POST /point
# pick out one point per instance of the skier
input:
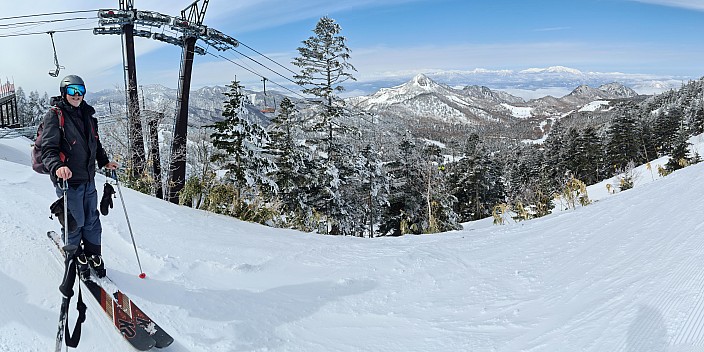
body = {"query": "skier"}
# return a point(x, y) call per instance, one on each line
point(70, 153)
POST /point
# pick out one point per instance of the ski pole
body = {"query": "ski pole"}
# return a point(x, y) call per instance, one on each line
point(64, 188)
point(142, 275)
point(63, 316)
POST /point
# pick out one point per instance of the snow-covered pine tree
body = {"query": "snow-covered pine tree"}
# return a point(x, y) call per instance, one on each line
point(570, 151)
point(589, 156)
point(240, 151)
point(375, 187)
point(348, 209)
point(521, 163)
point(37, 108)
point(529, 183)
point(439, 212)
point(324, 68)
point(680, 157)
point(666, 128)
point(557, 157)
point(291, 174)
point(623, 143)
point(647, 140)
point(23, 112)
point(475, 181)
point(697, 120)
point(405, 214)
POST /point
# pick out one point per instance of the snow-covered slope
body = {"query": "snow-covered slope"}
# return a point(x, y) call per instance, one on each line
point(623, 274)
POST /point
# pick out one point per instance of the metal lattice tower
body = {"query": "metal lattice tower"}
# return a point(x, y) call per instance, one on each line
point(190, 26)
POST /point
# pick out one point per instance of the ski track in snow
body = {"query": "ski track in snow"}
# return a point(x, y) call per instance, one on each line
point(623, 274)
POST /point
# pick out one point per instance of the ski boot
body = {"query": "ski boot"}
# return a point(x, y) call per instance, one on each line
point(85, 263)
point(83, 266)
point(96, 262)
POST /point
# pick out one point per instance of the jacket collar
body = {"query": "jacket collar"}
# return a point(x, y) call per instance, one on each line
point(86, 109)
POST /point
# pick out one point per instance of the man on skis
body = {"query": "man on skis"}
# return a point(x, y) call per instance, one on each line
point(70, 153)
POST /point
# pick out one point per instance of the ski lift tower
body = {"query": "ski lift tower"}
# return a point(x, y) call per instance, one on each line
point(122, 22)
point(191, 25)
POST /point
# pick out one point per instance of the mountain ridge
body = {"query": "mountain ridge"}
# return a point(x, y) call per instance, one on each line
point(423, 97)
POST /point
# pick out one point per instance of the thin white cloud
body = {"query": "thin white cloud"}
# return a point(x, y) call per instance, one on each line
point(551, 29)
point(399, 61)
point(687, 4)
point(245, 16)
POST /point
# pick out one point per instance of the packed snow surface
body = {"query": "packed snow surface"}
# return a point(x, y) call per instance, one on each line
point(622, 274)
point(520, 112)
point(593, 106)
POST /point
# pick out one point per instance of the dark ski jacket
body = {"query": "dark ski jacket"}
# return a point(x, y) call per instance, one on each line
point(79, 142)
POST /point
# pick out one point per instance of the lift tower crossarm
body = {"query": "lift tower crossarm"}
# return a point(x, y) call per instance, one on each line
point(126, 4)
point(194, 15)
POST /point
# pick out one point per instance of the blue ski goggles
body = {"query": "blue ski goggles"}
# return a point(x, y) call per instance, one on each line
point(76, 89)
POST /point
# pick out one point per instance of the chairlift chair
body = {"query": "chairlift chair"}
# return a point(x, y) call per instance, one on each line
point(267, 109)
point(54, 72)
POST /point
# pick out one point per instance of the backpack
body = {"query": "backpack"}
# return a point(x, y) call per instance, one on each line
point(37, 163)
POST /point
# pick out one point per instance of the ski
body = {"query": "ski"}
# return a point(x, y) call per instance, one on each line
point(158, 334)
point(62, 324)
point(131, 329)
point(134, 333)
point(162, 338)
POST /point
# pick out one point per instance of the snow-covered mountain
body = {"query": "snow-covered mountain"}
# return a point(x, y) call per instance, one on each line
point(417, 104)
point(607, 91)
point(532, 81)
point(622, 274)
point(451, 96)
point(422, 97)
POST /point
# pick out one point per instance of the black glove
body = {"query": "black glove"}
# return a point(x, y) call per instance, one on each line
point(106, 201)
point(57, 209)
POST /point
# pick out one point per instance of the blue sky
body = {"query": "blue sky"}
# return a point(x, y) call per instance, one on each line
point(388, 38)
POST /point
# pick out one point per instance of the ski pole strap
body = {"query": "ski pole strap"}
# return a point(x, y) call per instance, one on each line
point(66, 288)
point(69, 278)
point(73, 339)
point(63, 184)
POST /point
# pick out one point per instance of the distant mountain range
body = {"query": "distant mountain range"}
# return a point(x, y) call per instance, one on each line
point(450, 98)
point(422, 97)
point(533, 82)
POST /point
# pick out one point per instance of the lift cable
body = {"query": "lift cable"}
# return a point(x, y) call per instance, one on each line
point(18, 24)
point(257, 74)
point(35, 33)
point(268, 58)
point(46, 14)
point(266, 67)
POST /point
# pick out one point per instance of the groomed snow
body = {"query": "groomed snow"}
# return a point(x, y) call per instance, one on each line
point(520, 112)
point(594, 105)
point(622, 274)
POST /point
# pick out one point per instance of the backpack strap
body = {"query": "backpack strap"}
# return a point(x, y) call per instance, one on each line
point(60, 115)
